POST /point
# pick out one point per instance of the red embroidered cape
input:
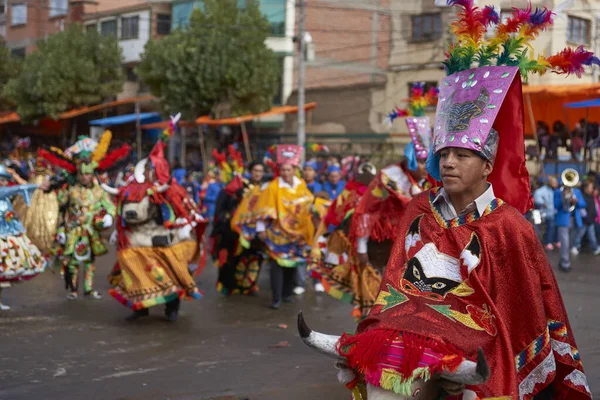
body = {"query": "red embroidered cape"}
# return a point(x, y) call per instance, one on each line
point(380, 209)
point(345, 202)
point(472, 282)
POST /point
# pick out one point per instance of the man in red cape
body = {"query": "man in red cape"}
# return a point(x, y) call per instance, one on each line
point(468, 277)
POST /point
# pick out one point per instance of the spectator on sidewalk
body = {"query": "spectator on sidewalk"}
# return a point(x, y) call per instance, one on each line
point(588, 227)
point(192, 186)
point(309, 174)
point(543, 199)
point(566, 221)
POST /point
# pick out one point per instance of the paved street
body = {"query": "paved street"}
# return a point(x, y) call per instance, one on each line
point(221, 348)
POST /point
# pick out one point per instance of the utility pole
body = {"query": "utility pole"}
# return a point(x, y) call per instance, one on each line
point(302, 51)
point(595, 67)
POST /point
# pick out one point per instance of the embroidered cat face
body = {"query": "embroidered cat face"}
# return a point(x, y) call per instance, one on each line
point(431, 274)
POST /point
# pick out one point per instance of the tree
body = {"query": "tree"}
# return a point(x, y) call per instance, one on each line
point(9, 69)
point(218, 65)
point(70, 69)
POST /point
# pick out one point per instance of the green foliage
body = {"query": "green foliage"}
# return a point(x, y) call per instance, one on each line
point(218, 65)
point(9, 69)
point(70, 69)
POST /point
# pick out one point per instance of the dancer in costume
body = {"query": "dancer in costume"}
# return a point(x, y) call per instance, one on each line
point(42, 216)
point(20, 259)
point(239, 263)
point(159, 234)
point(375, 220)
point(87, 208)
point(282, 220)
point(468, 278)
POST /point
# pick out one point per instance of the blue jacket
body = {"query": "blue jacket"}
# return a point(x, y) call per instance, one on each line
point(334, 192)
point(314, 187)
point(179, 175)
point(543, 199)
point(210, 198)
point(563, 216)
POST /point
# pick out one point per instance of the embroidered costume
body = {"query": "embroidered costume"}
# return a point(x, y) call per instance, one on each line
point(239, 265)
point(376, 217)
point(159, 234)
point(283, 213)
point(87, 209)
point(456, 283)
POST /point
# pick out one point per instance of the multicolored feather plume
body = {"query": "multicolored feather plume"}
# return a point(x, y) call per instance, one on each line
point(102, 146)
point(510, 44)
point(418, 101)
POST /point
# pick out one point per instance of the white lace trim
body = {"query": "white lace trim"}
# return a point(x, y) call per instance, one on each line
point(561, 348)
point(578, 378)
point(538, 375)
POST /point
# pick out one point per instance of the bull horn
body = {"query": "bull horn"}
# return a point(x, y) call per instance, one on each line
point(138, 171)
point(108, 189)
point(470, 373)
point(325, 344)
point(163, 188)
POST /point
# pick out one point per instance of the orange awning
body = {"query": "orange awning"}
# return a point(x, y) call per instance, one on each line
point(547, 104)
point(10, 117)
point(14, 117)
point(165, 124)
point(84, 110)
point(277, 110)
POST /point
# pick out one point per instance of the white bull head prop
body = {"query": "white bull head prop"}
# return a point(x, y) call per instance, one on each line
point(467, 373)
point(143, 219)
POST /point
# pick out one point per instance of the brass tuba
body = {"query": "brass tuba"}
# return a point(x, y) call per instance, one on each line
point(570, 179)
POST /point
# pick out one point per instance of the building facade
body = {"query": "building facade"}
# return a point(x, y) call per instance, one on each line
point(133, 23)
point(23, 23)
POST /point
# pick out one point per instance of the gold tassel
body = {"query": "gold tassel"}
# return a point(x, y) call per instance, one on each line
point(102, 146)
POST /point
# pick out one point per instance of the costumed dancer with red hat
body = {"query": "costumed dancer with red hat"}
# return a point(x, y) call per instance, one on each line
point(87, 209)
point(239, 262)
point(374, 221)
point(282, 221)
point(468, 279)
point(160, 233)
point(20, 259)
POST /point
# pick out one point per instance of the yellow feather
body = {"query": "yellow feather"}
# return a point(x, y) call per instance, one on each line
point(102, 146)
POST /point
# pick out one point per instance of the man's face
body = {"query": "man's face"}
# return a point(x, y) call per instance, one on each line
point(287, 172)
point(309, 174)
point(334, 177)
point(421, 172)
point(3, 181)
point(85, 179)
point(462, 169)
point(552, 182)
point(588, 189)
point(257, 172)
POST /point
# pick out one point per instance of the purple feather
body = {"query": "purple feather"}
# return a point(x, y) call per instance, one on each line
point(591, 60)
point(490, 16)
point(540, 17)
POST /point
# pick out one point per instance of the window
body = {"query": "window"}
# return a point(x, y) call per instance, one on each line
point(19, 53)
point(427, 87)
point(129, 27)
point(426, 27)
point(131, 75)
point(578, 30)
point(2, 7)
point(91, 28)
point(275, 11)
point(18, 14)
point(163, 24)
point(278, 98)
point(108, 28)
point(58, 7)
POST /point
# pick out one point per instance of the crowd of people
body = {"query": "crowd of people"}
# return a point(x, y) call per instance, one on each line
point(580, 142)
point(568, 215)
point(453, 289)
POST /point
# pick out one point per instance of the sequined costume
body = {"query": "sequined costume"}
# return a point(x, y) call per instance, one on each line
point(85, 209)
point(20, 259)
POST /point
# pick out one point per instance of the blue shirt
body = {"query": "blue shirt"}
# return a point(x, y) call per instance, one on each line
point(314, 187)
point(179, 175)
point(332, 191)
point(543, 199)
point(210, 199)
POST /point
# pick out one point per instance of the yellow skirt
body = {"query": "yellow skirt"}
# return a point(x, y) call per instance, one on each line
point(148, 276)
